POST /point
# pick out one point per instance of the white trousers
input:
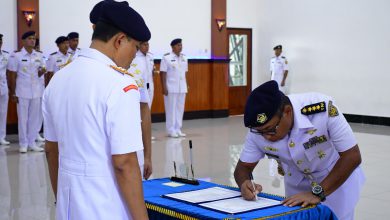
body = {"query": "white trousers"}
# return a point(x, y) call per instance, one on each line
point(29, 120)
point(151, 94)
point(3, 115)
point(174, 110)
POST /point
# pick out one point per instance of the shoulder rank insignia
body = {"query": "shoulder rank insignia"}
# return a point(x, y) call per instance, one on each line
point(53, 53)
point(166, 54)
point(332, 110)
point(130, 87)
point(121, 70)
point(313, 108)
point(4, 51)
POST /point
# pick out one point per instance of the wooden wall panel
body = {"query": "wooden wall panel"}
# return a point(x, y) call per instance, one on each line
point(219, 41)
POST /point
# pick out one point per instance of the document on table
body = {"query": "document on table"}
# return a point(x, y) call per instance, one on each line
point(238, 205)
point(204, 195)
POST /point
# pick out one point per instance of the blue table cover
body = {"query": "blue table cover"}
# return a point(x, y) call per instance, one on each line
point(164, 208)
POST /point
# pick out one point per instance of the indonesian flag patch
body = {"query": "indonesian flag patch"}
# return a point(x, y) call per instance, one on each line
point(130, 87)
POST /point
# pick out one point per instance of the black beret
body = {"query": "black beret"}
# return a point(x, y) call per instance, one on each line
point(28, 34)
point(278, 47)
point(61, 39)
point(73, 35)
point(175, 41)
point(262, 104)
point(97, 10)
point(126, 19)
point(1, 36)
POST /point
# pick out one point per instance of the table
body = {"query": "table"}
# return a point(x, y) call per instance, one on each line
point(164, 208)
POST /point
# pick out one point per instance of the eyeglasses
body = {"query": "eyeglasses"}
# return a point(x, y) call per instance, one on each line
point(271, 131)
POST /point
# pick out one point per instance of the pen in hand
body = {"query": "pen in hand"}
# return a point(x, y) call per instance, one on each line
point(253, 184)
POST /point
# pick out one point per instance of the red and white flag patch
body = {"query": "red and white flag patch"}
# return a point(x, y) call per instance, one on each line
point(130, 87)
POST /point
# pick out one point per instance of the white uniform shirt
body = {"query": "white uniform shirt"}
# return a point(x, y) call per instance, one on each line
point(176, 68)
point(277, 67)
point(4, 56)
point(57, 61)
point(311, 151)
point(74, 53)
point(140, 80)
point(145, 64)
point(28, 84)
point(93, 112)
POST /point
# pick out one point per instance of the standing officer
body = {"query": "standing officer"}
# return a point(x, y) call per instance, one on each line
point(26, 82)
point(173, 68)
point(313, 143)
point(144, 156)
point(279, 68)
point(145, 63)
point(92, 155)
point(59, 59)
point(4, 56)
point(73, 44)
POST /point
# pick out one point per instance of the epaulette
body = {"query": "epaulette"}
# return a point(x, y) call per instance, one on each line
point(53, 53)
point(283, 57)
point(4, 51)
point(314, 108)
point(166, 54)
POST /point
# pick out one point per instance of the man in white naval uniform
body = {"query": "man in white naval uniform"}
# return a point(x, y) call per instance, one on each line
point(173, 69)
point(27, 67)
point(58, 59)
point(144, 156)
point(93, 155)
point(4, 56)
point(73, 38)
point(279, 68)
point(313, 143)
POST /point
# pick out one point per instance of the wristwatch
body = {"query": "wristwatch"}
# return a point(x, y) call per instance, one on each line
point(317, 190)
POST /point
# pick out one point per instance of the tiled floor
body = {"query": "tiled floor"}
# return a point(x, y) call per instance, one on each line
point(25, 191)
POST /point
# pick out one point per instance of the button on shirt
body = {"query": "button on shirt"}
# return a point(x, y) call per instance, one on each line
point(99, 116)
point(176, 68)
point(28, 84)
point(277, 67)
point(310, 151)
point(4, 56)
point(57, 61)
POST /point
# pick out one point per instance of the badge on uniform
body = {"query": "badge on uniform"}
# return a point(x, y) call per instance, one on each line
point(313, 108)
point(269, 148)
point(261, 118)
point(315, 141)
point(332, 110)
point(130, 87)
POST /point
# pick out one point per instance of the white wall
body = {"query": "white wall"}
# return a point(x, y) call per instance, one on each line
point(8, 24)
point(167, 20)
point(340, 48)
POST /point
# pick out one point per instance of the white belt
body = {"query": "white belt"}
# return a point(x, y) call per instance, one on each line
point(85, 169)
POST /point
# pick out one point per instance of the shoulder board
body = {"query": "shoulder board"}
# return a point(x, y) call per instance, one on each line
point(4, 51)
point(166, 54)
point(39, 51)
point(53, 53)
point(314, 108)
point(283, 57)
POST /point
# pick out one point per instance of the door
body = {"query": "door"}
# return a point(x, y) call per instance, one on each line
point(240, 68)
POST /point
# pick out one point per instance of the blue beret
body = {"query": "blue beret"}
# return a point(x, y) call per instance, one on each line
point(28, 34)
point(175, 41)
point(278, 47)
point(73, 35)
point(126, 19)
point(61, 39)
point(262, 104)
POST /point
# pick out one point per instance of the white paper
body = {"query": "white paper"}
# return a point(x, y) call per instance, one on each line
point(236, 205)
point(205, 195)
point(173, 184)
